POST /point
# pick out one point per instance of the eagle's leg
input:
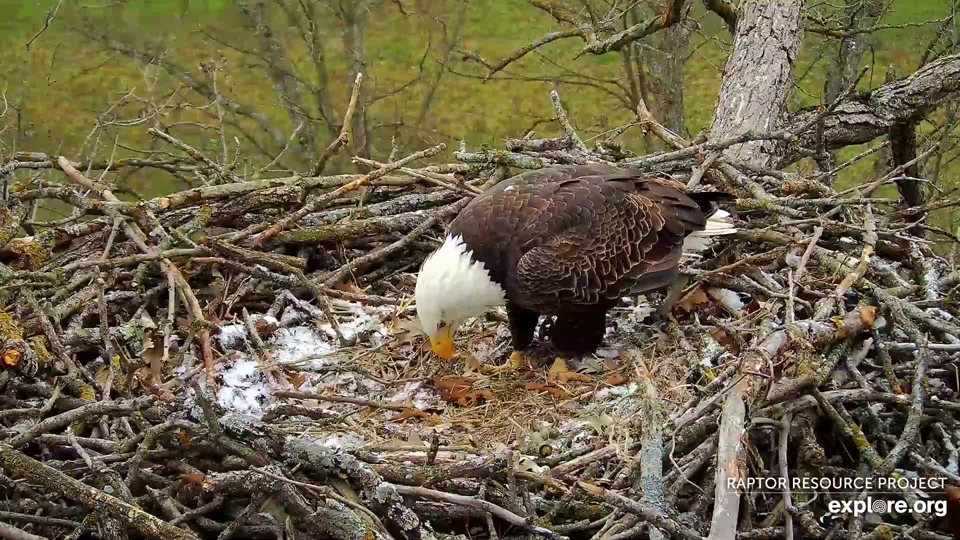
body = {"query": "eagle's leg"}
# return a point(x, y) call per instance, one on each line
point(523, 324)
point(660, 316)
point(578, 334)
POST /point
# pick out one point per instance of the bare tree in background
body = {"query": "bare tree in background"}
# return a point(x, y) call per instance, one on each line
point(652, 69)
point(289, 42)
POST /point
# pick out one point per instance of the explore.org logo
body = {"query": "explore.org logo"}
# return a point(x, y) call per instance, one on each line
point(852, 487)
point(837, 508)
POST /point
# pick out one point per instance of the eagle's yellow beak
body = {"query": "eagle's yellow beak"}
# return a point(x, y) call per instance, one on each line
point(442, 345)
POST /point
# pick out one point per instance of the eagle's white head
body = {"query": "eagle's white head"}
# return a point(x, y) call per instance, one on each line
point(451, 288)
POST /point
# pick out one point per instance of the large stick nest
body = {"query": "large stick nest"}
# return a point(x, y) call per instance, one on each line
point(241, 359)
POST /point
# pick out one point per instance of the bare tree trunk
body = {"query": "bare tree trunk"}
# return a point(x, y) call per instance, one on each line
point(845, 64)
point(636, 78)
point(757, 81)
point(666, 62)
point(903, 148)
point(450, 41)
point(353, 14)
point(303, 15)
point(758, 78)
point(281, 73)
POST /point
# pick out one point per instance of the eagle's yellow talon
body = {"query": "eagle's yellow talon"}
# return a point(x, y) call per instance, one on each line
point(518, 360)
point(560, 372)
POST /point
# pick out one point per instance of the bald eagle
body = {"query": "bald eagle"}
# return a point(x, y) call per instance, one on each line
point(566, 242)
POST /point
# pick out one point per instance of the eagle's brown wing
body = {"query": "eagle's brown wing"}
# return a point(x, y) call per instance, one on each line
point(627, 228)
point(580, 234)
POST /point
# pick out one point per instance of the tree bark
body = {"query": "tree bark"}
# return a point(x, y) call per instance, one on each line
point(903, 148)
point(758, 76)
point(865, 117)
point(757, 81)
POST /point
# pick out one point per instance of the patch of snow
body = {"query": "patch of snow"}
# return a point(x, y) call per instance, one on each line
point(622, 391)
point(422, 397)
point(339, 381)
point(348, 441)
point(940, 314)
point(642, 311)
point(292, 345)
point(356, 326)
point(244, 388)
point(232, 337)
point(793, 257)
point(291, 317)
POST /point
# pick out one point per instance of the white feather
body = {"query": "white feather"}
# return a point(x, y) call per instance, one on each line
point(452, 287)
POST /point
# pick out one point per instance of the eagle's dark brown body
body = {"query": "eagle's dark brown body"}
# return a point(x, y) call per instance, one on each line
point(571, 241)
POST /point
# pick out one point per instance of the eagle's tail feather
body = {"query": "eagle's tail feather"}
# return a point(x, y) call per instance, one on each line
point(718, 224)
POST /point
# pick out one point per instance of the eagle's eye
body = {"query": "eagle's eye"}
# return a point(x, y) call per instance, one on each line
point(442, 325)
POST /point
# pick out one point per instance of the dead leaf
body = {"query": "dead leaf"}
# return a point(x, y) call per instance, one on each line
point(264, 328)
point(617, 380)
point(406, 331)
point(486, 394)
point(869, 315)
point(559, 393)
point(414, 440)
point(153, 355)
point(560, 372)
point(298, 380)
point(693, 299)
point(521, 362)
point(212, 318)
point(407, 325)
point(349, 287)
point(460, 391)
point(409, 413)
point(185, 438)
point(11, 358)
point(600, 423)
point(193, 478)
